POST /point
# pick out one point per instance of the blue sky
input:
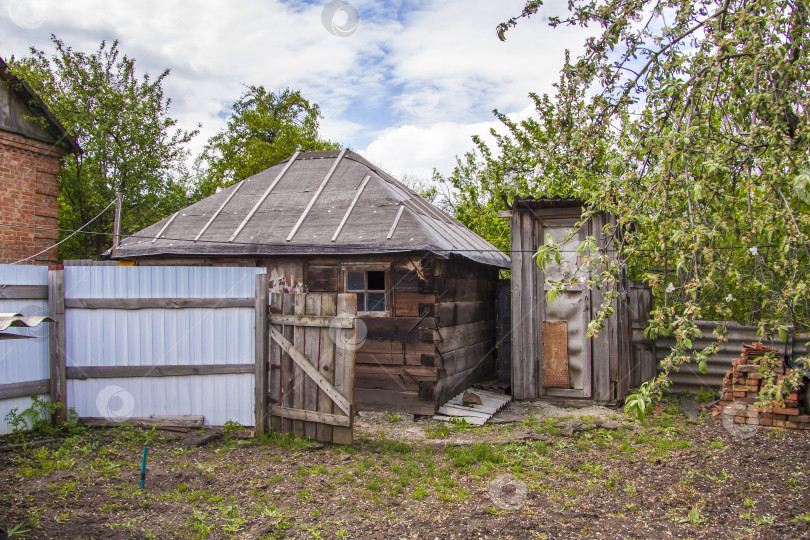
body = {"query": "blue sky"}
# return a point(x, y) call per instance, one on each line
point(406, 84)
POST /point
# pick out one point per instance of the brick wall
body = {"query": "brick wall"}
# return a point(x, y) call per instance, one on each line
point(28, 192)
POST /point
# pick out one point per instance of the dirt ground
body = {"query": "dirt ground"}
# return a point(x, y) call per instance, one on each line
point(666, 477)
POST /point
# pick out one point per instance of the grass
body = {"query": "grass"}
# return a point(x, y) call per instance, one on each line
point(288, 486)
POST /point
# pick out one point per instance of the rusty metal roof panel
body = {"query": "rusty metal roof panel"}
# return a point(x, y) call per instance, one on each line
point(314, 195)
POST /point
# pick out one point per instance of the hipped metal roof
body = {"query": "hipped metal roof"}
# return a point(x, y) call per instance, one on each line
point(313, 203)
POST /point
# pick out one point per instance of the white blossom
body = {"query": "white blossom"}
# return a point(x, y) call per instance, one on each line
point(754, 251)
point(670, 288)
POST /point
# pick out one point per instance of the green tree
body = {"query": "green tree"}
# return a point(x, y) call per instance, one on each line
point(705, 107)
point(534, 157)
point(130, 144)
point(264, 129)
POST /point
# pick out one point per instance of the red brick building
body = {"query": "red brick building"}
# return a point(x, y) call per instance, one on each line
point(32, 141)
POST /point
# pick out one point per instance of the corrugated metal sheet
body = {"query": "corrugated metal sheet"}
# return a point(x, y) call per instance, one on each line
point(23, 360)
point(158, 337)
point(690, 379)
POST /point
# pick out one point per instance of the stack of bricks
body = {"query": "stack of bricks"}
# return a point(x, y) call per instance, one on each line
point(742, 385)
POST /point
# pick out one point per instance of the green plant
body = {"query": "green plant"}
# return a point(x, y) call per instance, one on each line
point(37, 418)
point(694, 517)
point(706, 395)
point(718, 445)
point(394, 417)
point(18, 531)
point(419, 493)
point(231, 425)
point(802, 518)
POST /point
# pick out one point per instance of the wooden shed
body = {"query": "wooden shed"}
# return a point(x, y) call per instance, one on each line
point(551, 357)
point(333, 222)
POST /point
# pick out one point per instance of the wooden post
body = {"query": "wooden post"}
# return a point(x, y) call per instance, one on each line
point(116, 225)
point(261, 361)
point(344, 364)
point(56, 309)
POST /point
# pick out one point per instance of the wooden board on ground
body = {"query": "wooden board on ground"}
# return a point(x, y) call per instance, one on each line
point(191, 421)
point(456, 409)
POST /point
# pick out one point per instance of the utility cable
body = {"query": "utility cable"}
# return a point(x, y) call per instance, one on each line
point(77, 231)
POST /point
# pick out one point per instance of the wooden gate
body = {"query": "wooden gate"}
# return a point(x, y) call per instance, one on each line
point(310, 377)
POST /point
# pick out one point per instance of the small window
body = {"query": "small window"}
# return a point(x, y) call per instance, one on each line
point(369, 286)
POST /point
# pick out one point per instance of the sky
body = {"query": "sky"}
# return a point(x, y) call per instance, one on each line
point(405, 84)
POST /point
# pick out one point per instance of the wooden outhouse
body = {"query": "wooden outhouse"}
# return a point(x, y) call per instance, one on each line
point(333, 222)
point(551, 357)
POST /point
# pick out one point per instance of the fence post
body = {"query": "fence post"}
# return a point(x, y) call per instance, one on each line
point(56, 308)
point(262, 347)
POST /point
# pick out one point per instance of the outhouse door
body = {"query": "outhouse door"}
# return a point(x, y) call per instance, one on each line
point(565, 360)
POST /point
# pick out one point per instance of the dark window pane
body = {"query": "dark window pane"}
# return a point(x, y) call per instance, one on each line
point(376, 280)
point(361, 302)
point(355, 280)
point(376, 302)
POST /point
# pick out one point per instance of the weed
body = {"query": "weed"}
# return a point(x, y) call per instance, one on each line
point(200, 525)
point(18, 530)
point(718, 445)
point(802, 518)
point(394, 417)
point(723, 476)
point(37, 418)
point(438, 432)
point(286, 441)
point(373, 485)
point(463, 457)
point(419, 493)
point(593, 468)
point(706, 395)
point(386, 446)
point(303, 472)
point(231, 425)
point(693, 517)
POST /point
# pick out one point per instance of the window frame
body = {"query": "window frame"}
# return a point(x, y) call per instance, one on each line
point(369, 267)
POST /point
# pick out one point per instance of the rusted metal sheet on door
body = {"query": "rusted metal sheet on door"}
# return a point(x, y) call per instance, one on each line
point(311, 378)
point(555, 354)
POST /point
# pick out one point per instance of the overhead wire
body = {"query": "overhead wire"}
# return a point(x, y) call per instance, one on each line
point(448, 250)
point(74, 233)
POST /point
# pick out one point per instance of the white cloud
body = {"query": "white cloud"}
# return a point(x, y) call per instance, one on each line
point(411, 85)
point(415, 151)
